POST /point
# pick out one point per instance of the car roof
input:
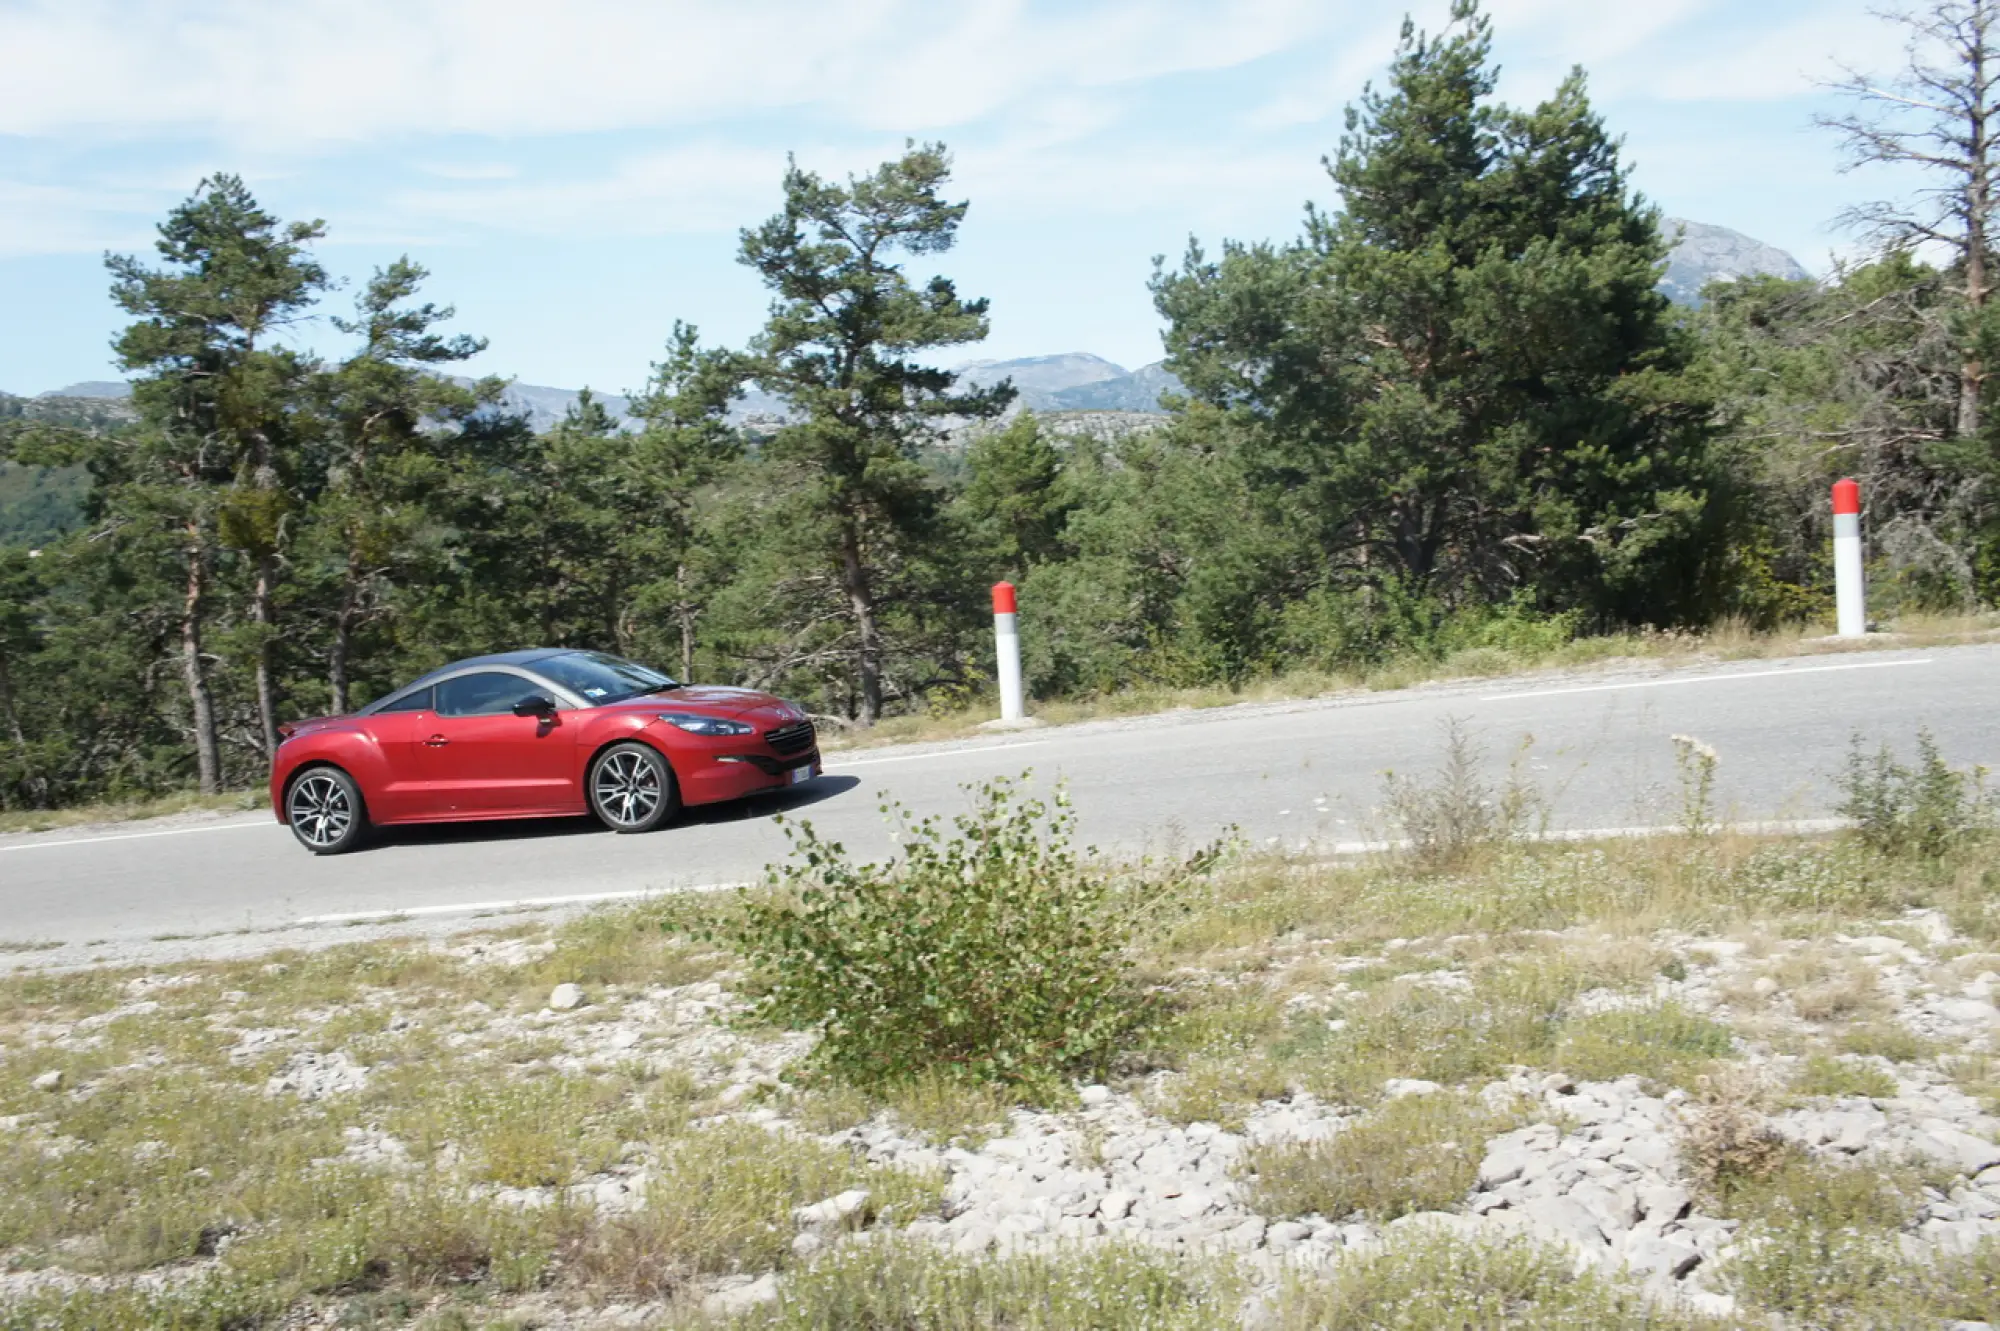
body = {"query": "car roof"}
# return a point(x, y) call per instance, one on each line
point(522, 657)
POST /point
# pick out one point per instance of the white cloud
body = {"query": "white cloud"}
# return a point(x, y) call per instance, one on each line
point(360, 70)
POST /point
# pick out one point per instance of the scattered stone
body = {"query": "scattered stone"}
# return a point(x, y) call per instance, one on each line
point(566, 997)
point(1944, 1142)
point(311, 1075)
point(741, 1298)
point(833, 1211)
point(1397, 1087)
point(1671, 1257)
point(51, 1080)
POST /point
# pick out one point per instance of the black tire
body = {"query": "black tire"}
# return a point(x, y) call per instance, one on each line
point(631, 788)
point(325, 811)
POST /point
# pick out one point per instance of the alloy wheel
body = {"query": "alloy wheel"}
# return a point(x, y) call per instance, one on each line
point(627, 788)
point(320, 811)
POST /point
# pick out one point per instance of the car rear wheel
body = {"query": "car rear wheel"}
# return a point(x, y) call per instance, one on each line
point(632, 788)
point(325, 811)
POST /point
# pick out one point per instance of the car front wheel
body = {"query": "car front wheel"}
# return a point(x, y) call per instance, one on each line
point(325, 811)
point(632, 788)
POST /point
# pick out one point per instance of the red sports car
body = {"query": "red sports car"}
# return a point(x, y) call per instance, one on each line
point(535, 734)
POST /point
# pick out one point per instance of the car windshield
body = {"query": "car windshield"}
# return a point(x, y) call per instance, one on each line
point(598, 678)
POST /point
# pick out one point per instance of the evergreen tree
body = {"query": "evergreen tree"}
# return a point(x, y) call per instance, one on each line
point(1464, 379)
point(684, 445)
point(838, 347)
point(393, 422)
point(217, 400)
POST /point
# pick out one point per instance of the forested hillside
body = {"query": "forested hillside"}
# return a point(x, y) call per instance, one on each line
point(1454, 409)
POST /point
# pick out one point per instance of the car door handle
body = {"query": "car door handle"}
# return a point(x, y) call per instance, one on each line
point(437, 741)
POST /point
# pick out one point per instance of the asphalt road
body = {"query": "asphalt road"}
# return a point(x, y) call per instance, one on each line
point(1300, 773)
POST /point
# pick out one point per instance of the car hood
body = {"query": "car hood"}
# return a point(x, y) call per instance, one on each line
point(313, 725)
point(717, 700)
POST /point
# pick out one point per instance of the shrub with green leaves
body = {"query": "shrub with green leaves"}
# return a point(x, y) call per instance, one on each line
point(1921, 812)
point(995, 954)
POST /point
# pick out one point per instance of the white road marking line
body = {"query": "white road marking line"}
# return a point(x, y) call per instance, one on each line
point(1706, 679)
point(135, 836)
point(519, 903)
point(942, 753)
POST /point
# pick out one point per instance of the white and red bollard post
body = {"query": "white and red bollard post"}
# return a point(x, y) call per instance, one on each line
point(1850, 596)
point(1007, 651)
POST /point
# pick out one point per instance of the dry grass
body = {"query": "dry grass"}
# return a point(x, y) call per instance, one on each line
point(125, 811)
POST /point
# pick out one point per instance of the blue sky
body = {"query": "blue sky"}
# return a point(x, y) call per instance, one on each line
point(574, 173)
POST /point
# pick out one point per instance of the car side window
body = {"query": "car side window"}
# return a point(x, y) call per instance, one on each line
point(420, 701)
point(488, 693)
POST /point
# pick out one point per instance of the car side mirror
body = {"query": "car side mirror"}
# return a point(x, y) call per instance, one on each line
point(536, 705)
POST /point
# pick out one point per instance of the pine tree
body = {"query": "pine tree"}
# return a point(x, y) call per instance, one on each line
point(393, 426)
point(838, 347)
point(216, 395)
point(1463, 377)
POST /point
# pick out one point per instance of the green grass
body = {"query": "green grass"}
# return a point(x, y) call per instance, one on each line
point(913, 1288)
point(1429, 1282)
point(1416, 1153)
point(1825, 1075)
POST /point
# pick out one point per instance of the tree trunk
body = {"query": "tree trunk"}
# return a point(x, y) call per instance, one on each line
point(861, 604)
point(685, 613)
point(336, 658)
point(37, 784)
point(1978, 204)
point(262, 613)
point(206, 749)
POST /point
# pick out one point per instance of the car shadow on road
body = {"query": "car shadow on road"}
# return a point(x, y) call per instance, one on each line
point(704, 815)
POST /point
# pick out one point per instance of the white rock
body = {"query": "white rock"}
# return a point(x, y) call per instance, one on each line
point(1505, 1166)
point(742, 1298)
point(1247, 1235)
point(1094, 1096)
point(565, 997)
point(1663, 1203)
point(1671, 1257)
point(805, 1243)
point(1285, 1235)
point(1965, 1152)
point(1562, 1218)
point(51, 1080)
point(1614, 1208)
point(1764, 987)
point(832, 1211)
point(1397, 1087)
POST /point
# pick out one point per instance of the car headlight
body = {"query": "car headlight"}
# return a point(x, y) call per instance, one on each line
point(706, 725)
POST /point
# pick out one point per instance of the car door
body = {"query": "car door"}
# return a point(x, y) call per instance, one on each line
point(400, 729)
point(480, 760)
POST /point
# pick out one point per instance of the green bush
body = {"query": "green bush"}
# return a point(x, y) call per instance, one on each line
point(996, 954)
point(1920, 812)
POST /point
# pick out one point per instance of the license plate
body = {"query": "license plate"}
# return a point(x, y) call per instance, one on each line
point(801, 775)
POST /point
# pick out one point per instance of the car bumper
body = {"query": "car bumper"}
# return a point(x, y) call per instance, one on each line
point(728, 776)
